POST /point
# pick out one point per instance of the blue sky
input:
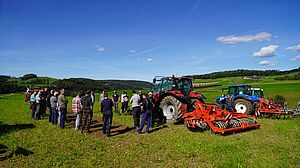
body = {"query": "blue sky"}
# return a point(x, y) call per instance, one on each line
point(138, 39)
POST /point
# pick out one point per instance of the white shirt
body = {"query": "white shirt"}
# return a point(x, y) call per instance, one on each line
point(135, 100)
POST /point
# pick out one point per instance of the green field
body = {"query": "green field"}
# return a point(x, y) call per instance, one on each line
point(275, 144)
point(289, 89)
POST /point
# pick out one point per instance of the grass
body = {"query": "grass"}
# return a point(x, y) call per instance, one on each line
point(289, 89)
point(275, 144)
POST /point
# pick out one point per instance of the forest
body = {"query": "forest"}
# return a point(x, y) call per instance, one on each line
point(244, 72)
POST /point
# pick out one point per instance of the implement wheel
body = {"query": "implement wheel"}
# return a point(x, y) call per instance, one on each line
point(171, 108)
point(243, 106)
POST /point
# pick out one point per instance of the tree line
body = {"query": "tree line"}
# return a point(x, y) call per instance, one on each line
point(10, 84)
point(242, 72)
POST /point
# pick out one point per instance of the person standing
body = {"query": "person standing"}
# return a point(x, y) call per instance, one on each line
point(126, 101)
point(86, 105)
point(37, 115)
point(33, 104)
point(146, 106)
point(49, 104)
point(62, 102)
point(116, 101)
point(122, 102)
point(135, 102)
point(229, 103)
point(27, 95)
point(93, 102)
point(42, 103)
point(76, 108)
point(152, 116)
point(106, 109)
point(53, 103)
point(46, 96)
point(101, 96)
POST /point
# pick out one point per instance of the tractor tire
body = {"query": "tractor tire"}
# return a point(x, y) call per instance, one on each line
point(243, 106)
point(171, 108)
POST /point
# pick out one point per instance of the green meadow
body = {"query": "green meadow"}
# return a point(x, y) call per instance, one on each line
point(32, 143)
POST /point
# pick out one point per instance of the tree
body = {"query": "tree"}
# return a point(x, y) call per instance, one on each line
point(28, 76)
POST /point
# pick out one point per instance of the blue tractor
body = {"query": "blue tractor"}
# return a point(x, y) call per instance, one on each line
point(244, 99)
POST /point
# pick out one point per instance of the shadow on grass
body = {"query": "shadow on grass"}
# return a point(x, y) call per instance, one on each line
point(158, 128)
point(122, 131)
point(6, 128)
point(99, 127)
point(4, 154)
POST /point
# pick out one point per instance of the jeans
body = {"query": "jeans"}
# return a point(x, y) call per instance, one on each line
point(63, 114)
point(78, 120)
point(53, 115)
point(136, 116)
point(145, 117)
point(33, 113)
point(107, 122)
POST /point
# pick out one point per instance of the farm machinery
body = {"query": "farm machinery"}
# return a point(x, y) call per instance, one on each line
point(248, 100)
point(179, 103)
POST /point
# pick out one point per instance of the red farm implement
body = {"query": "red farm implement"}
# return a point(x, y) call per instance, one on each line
point(266, 109)
point(174, 97)
point(209, 117)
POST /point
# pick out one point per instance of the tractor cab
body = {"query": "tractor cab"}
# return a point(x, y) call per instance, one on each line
point(163, 84)
point(239, 90)
point(258, 92)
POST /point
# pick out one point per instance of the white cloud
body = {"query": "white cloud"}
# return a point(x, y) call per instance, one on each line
point(266, 63)
point(294, 48)
point(149, 59)
point(262, 36)
point(100, 48)
point(266, 51)
point(132, 51)
point(296, 58)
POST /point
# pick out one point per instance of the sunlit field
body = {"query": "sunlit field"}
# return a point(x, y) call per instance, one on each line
point(32, 143)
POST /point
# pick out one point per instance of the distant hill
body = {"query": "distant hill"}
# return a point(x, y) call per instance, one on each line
point(243, 72)
point(10, 84)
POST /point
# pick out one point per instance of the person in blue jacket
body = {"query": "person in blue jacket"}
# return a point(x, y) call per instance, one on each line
point(146, 113)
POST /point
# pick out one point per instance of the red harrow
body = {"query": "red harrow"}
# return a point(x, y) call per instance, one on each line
point(209, 117)
point(266, 109)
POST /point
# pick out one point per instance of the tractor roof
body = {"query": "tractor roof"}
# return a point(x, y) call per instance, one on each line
point(176, 77)
point(239, 85)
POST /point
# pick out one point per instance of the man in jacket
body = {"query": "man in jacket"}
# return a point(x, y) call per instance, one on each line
point(86, 104)
point(106, 109)
point(62, 102)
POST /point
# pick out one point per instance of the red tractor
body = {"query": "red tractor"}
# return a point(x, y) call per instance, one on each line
point(178, 102)
point(174, 96)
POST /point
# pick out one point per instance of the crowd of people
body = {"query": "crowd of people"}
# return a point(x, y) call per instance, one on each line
point(83, 108)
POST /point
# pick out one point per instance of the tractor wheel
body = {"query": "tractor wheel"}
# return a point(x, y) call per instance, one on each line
point(171, 108)
point(243, 106)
